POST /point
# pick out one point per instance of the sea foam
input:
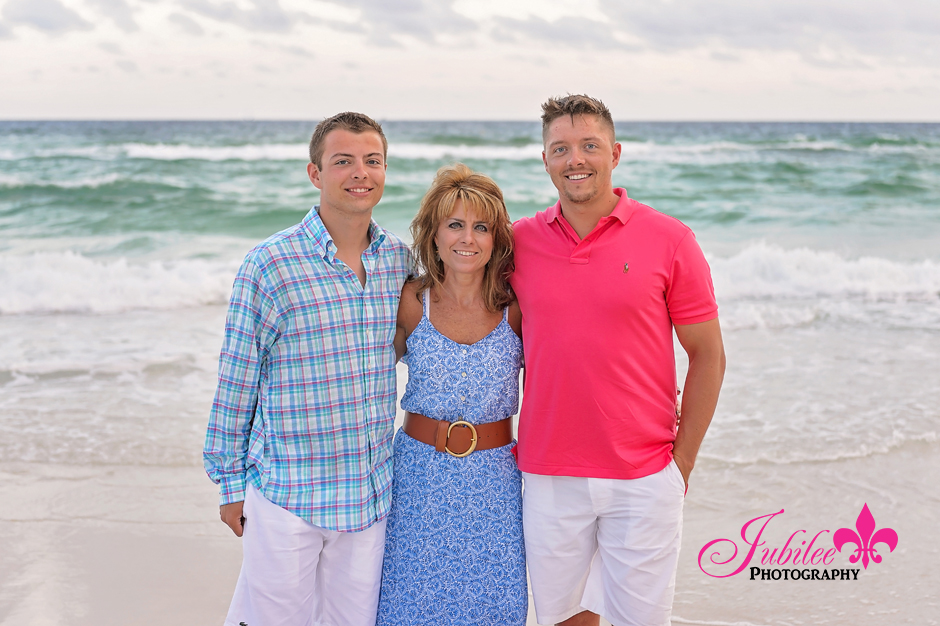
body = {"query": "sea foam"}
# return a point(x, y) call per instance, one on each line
point(89, 182)
point(427, 151)
point(274, 152)
point(767, 271)
point(251, 152)
point(761, 285)
point(721, 150)
point(766, 286)
point(66, 282)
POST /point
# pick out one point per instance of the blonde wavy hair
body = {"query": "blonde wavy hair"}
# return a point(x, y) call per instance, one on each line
point(483, 196)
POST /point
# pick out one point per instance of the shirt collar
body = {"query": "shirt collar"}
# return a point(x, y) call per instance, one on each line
point(313, 226)
point(624, 208)
point(622, 211)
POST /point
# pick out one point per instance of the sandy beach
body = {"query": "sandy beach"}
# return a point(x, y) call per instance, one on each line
point(129, 545)
point(112, 545)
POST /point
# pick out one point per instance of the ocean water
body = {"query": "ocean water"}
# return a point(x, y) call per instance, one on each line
point(120, 240)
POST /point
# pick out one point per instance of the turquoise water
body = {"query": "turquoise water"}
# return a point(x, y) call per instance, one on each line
point(120, 241)
point(849, 184)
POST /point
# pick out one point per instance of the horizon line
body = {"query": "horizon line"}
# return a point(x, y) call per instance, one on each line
point(468, 120)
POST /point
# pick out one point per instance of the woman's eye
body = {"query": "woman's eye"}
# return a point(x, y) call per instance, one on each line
point(483, 228)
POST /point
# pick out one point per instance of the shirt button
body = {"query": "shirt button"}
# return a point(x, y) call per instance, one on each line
point(463, 352)
point(464, 374)
point(463, 397)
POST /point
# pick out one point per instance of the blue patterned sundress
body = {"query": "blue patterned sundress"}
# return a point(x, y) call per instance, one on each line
point(454, 551)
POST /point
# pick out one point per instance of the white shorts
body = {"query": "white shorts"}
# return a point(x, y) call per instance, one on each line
point(298, 574)
point(604, 545)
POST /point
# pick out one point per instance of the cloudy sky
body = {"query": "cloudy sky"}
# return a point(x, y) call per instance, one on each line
point(469, 59)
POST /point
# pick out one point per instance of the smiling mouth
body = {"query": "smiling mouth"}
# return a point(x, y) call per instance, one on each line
point(465, 253)
point(577, 176)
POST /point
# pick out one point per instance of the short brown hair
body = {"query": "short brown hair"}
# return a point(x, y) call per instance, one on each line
point(347, 120)
point(480, 194)
point(577, 104)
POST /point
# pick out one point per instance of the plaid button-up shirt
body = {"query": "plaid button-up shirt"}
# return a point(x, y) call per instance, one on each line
point(306, 399)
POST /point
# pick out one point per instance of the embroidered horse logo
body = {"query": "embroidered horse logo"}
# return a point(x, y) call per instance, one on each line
point(866, 538)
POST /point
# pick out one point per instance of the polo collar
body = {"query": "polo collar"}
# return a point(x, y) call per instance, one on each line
point(622, 211)
point(624, 208)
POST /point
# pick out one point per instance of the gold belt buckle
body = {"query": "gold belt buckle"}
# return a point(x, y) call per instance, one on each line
point(473, 438)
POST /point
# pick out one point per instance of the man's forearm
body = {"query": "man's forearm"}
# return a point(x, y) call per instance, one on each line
point(700, 395)
point(699, 399)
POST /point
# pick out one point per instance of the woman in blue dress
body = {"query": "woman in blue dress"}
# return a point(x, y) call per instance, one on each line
point(454, 551)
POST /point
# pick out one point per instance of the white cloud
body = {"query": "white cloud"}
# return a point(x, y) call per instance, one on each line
point(549, 10)
point(187, 24)
point(111, 47)
point(263, 16)
point(826, 33)
point(883, 28)
point(119, 11)
point(50, 16)
point(424, 20)
point(297, 51)
point(564, 32)
point(649, 59)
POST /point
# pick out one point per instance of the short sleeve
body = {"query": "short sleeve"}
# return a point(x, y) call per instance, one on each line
point(690, 295)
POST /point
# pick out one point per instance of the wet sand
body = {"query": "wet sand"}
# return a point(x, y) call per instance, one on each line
point(103, 545)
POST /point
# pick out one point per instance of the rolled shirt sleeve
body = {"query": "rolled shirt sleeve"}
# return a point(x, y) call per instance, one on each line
point(251, 329)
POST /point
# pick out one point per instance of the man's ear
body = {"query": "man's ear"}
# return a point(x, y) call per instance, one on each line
point(617, 149)
point(313, 173)
point(544, 161)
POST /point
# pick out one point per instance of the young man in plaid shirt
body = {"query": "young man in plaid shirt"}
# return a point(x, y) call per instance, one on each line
point(300, 434)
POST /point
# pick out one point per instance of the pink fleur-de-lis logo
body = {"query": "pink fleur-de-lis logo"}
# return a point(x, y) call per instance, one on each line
point(866, 538)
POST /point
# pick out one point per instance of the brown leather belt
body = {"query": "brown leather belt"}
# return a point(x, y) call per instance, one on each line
point(458, 438)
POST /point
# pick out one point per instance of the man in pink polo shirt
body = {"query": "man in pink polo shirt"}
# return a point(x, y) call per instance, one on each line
point(602, 281)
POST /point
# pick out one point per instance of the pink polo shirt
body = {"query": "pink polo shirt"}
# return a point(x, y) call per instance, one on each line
point(597, 318)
